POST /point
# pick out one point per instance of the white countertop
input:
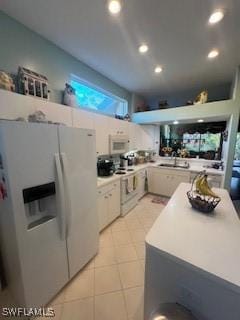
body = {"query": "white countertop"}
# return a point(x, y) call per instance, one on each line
point(209, 244)
point(194, 167)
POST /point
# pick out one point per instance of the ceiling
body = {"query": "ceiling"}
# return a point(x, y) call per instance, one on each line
point(177, 33)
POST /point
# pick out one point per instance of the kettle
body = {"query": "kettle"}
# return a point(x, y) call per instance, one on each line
point(123, 161)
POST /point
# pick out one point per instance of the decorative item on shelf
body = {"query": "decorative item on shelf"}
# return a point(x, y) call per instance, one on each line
point(32, 83)
point(142, 106)
point(6, 81)
point(202, 97)
point(69, 96)
point(202, 198)
point(189, 103)
point(163, 104)
point(167, 151)
point(38, 116)
point(183, 153)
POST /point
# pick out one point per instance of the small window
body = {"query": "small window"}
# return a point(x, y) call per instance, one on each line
point(95, 99)
point(202, 142)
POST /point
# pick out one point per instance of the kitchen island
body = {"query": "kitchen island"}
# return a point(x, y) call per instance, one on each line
point(194, 259)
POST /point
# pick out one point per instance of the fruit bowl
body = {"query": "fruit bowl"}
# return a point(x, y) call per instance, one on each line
point(203, 198)
point(202, 203)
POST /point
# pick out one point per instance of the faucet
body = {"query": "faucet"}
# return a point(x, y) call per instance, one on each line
point(174, 154)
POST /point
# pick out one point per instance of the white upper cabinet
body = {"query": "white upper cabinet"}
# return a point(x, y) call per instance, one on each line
point(83, 119)
point(147, 137)
point(156, 139)
point(118, 127)
point(133, 136)
point(143, 137)
point(101, 125)
point(15, 105)
point(56, 112)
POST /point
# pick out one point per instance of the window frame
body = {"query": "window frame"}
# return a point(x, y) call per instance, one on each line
point(101, 90)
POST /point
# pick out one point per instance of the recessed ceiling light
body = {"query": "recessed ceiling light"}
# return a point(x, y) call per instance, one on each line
point(160, 318)
point(114, 6)
point(158, 69)
point(213, 54)
point(175, 122)
point(143, 48)
point(216, 17)
point(200, 120)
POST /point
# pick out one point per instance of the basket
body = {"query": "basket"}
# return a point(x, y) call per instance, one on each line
point(205, 204)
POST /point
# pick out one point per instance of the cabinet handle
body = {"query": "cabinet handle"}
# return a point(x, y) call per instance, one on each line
point(110, 194)
point(105, 197)
point(99, 192)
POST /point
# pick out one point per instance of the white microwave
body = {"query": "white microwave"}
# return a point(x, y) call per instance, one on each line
point(118, 144)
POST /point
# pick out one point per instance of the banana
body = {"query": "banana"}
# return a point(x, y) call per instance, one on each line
point(198, 182)
point(204, 188)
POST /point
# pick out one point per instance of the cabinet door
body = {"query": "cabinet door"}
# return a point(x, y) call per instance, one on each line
point(101, 125)
point(148, 137)
point(156, 139)
point(132, 136)
point(114, 204)
point(135, 136)
point(55, 112)
point(118, 127)
point(165, 182)
point(83, 119)
point(157, 182)
point(175, 180)
point(214, 181)
point(102, 206)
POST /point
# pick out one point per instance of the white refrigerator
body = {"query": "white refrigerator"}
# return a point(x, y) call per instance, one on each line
point(48, 210)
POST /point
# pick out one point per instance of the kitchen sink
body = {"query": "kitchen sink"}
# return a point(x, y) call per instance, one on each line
point(171, 165)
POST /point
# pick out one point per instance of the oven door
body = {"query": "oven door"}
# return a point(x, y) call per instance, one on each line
point(118, 144)
point(125, 194)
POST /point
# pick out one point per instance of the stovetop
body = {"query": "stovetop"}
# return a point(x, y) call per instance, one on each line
point(120, 172)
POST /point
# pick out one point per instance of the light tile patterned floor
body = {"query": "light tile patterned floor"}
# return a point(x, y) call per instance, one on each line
point(111, 285)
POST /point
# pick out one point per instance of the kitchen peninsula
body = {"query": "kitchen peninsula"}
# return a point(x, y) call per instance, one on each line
point(193, 259)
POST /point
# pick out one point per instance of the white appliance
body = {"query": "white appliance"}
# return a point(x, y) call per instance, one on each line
point(129, 198)
point(118, 144)
point(48, 219)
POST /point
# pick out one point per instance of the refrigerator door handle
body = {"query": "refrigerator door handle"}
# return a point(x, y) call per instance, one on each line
point(67, 191)
point(62, 204)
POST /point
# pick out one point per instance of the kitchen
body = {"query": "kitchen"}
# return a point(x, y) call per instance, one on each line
point(88, 218)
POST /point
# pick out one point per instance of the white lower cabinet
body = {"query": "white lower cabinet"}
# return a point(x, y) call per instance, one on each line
point(214, 180)
point(108, 204)
point(165, 182)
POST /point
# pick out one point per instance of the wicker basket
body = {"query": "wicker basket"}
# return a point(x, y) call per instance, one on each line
point(205, 204)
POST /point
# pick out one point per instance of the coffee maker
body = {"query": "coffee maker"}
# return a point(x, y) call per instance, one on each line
point(105, 167)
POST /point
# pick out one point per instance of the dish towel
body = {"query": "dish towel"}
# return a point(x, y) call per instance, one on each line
point(135, 182)
point(130, 184)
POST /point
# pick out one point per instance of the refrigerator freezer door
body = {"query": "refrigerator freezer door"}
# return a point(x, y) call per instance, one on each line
point(28, 152)
point(78, 154)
